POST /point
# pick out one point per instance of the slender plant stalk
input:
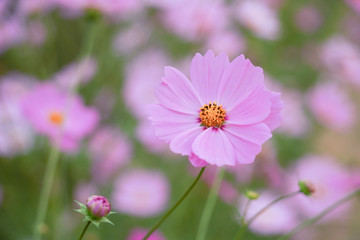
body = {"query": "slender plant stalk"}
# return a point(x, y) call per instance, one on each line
point(245, 225)
point(320, 215)
point(270, 204)
point(209, 205)
point(45, 192)
point(176, 204)
point(243, 217)
point(84, 230)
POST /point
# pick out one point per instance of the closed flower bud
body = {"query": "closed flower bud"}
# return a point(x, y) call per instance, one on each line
point(98, 206)
point(306, 187)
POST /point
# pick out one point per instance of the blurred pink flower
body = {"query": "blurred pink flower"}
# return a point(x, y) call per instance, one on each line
point(342, 59)
point(141, 193)
point(84, 190)
point(108, 7)
point(354, 4)
point(128, 40)
point(16, 135)
point(331, 181)
point(332, 107)
point(145, 133)
point(61, 117)
point(308, 19)
point(259, 17)
point(195, 20)
point(140, 233)
point(278, 219)
point(110, 150)
point(76, 73)
point(294, 122)
point(142, 75)
point(27, 7)
point(229, 133)
point(229, 42)
point(36, 33)
point(12, 32)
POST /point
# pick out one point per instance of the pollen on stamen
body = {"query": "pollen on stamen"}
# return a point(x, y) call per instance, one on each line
point(212, 115)
point(56, 118)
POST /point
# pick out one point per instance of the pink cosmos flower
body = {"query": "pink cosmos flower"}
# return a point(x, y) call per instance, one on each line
point(259, 17)
point(332, 107)
point(76, 73)
point(109, 149)
point(195, 20)
point(16, 135)
point(220, 117)
point(308, 19)
point(36, 33)
point(295, 122)
point(142, 75)
point(84, 190)
point(229, 42)
point(35, 6)
point(108, 7)
point(63, 118)
point(354, 4)
point(342, 59)
point(130, 39)
point(278, 219)
point(331, 181)
point(145, 133)
point(140, 233)
point(141, 193)
point(12, 32)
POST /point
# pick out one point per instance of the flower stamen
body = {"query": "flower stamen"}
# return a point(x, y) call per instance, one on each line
point(56, 118)
point(212, 115)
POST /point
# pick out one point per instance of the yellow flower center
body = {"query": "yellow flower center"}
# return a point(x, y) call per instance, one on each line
point(56, 118)
point(212, 115)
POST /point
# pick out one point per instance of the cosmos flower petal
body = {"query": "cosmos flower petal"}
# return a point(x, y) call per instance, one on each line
point(245, 150)
point(169, 123)
point(182, 143)
point(257, 133)
point(196, 161)
point(206, 72)
point(238, 82)
point(274, 119)
point(214, 147)
point(254, 109)
point(168, 98)
point(182, 86)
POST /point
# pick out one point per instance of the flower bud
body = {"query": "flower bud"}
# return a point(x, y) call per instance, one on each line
point(306, 187)
point(98, 206)
point(251, 195)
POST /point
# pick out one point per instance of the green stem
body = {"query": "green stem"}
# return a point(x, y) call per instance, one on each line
point(83, 232)
point(45, 192)
point(209, 205)
point(320, 215)
point(270, 204)
point(243, 217)
point(176, 204)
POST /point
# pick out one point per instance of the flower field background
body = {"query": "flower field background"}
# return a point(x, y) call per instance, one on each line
point(91, 67)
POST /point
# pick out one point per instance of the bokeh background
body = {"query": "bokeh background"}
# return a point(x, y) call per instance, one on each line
point(109, 54)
